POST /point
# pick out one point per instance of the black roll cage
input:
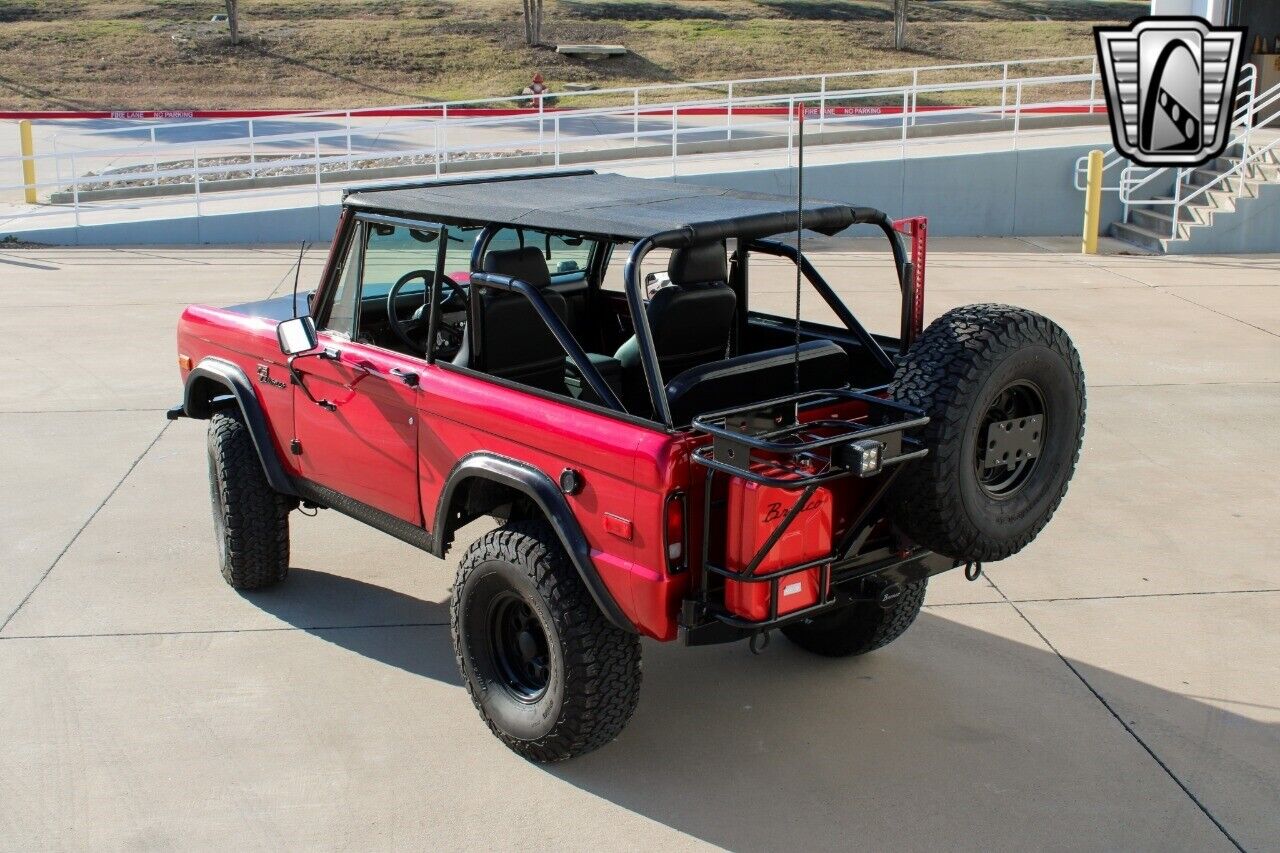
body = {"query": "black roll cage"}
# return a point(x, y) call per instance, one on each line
point(681, 238)
point(634, 292)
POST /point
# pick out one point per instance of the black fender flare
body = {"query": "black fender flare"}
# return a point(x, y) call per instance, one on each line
point(539, 488)
point(199, 404)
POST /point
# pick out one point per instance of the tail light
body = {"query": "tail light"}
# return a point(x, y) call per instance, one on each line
point(676, 538)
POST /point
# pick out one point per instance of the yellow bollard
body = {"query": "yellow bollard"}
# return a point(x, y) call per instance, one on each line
point(1092, 203)
point(28, 160)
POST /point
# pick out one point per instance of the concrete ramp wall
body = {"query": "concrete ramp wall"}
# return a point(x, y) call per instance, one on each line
point(996, 194)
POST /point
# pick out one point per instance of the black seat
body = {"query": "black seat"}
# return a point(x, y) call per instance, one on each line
point(690, 320)
point(755, 377)
point(514, 342)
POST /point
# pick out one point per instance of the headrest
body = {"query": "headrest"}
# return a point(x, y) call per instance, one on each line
point(526, 264)
point(696, 264)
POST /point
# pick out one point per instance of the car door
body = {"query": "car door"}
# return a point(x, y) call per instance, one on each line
point(361, 439)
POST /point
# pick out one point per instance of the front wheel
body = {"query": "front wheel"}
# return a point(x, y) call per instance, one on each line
point(861, 627)
point(551, 677)
point(250, 519)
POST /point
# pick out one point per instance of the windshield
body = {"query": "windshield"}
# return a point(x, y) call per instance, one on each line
point(395, 251)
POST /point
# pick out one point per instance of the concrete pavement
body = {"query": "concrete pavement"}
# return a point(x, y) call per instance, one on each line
point(1115, 686)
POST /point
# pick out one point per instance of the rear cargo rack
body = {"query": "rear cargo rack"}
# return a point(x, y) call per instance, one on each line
point(773, 427)
point(768, 444)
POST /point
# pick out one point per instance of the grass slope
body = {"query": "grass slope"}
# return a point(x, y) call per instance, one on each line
point(98, 54)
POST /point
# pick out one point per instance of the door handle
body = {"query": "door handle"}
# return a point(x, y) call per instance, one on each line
point(408, 377)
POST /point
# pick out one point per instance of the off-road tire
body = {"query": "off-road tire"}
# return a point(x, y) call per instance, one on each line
point(858, 628)
point(250, 519)
point(593, 683)
point(955, 372)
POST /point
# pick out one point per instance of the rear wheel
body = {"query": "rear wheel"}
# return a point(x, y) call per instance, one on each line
point(861, 627)
point(250, 519)
point(551, 677)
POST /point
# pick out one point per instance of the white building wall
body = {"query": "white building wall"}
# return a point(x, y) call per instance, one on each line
point(1213, 11)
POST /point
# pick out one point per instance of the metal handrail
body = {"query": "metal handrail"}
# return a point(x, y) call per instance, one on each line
point(1129, 184)
point(634, 91)
point(1247, 88)
point(652, 110)
point(1242, 114)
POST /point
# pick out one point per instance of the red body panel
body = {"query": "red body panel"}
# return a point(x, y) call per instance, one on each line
point(249, 343)
point(368, 450)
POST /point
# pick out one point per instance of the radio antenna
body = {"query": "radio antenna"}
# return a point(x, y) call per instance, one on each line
point(799, 238)
point(297, 273)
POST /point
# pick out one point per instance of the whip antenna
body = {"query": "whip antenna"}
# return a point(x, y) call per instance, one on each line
point(799, 237)
point(297, 273)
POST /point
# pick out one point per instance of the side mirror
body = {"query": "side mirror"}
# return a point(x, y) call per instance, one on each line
point(297, 335)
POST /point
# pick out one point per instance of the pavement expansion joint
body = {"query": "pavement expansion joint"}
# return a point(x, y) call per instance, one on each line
point(1219, 313)
point(82, 527)
point(1119, 719)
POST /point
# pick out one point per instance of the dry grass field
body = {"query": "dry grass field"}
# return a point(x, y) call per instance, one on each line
point(105, 54)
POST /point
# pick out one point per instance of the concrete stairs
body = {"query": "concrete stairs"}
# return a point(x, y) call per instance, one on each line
point(1151, 226)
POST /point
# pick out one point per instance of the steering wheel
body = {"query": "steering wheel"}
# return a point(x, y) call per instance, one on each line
point(407, 329)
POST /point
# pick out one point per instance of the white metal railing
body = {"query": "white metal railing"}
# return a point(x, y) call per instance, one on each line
point(1185, 192)
point(433, 144)
point(1246, 92)
point(634, 95)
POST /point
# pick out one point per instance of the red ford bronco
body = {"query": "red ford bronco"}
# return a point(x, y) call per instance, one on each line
point(664, 459)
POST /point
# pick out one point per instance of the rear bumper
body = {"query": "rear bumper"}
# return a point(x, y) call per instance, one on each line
point(874, 576)
point(174, 412)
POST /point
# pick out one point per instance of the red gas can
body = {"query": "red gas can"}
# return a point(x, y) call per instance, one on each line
point(754, 512)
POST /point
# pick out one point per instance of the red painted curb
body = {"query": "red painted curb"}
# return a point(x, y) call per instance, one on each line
point(472, 112)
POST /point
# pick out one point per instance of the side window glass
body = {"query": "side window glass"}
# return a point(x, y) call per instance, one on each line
point(342, 311)
point(568, 258)
point(653, 269)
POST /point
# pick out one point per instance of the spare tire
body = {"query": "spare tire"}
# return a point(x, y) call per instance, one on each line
point(1004, 391)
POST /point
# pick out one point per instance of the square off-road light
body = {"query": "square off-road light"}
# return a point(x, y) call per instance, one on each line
point(864, 457)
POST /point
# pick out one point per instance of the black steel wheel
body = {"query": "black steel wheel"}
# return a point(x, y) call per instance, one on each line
point(519, 648)
point(1004, 391)
point(1018, 406)
point(551, 677)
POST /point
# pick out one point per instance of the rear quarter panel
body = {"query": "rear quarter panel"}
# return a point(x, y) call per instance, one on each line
point(627, 471)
